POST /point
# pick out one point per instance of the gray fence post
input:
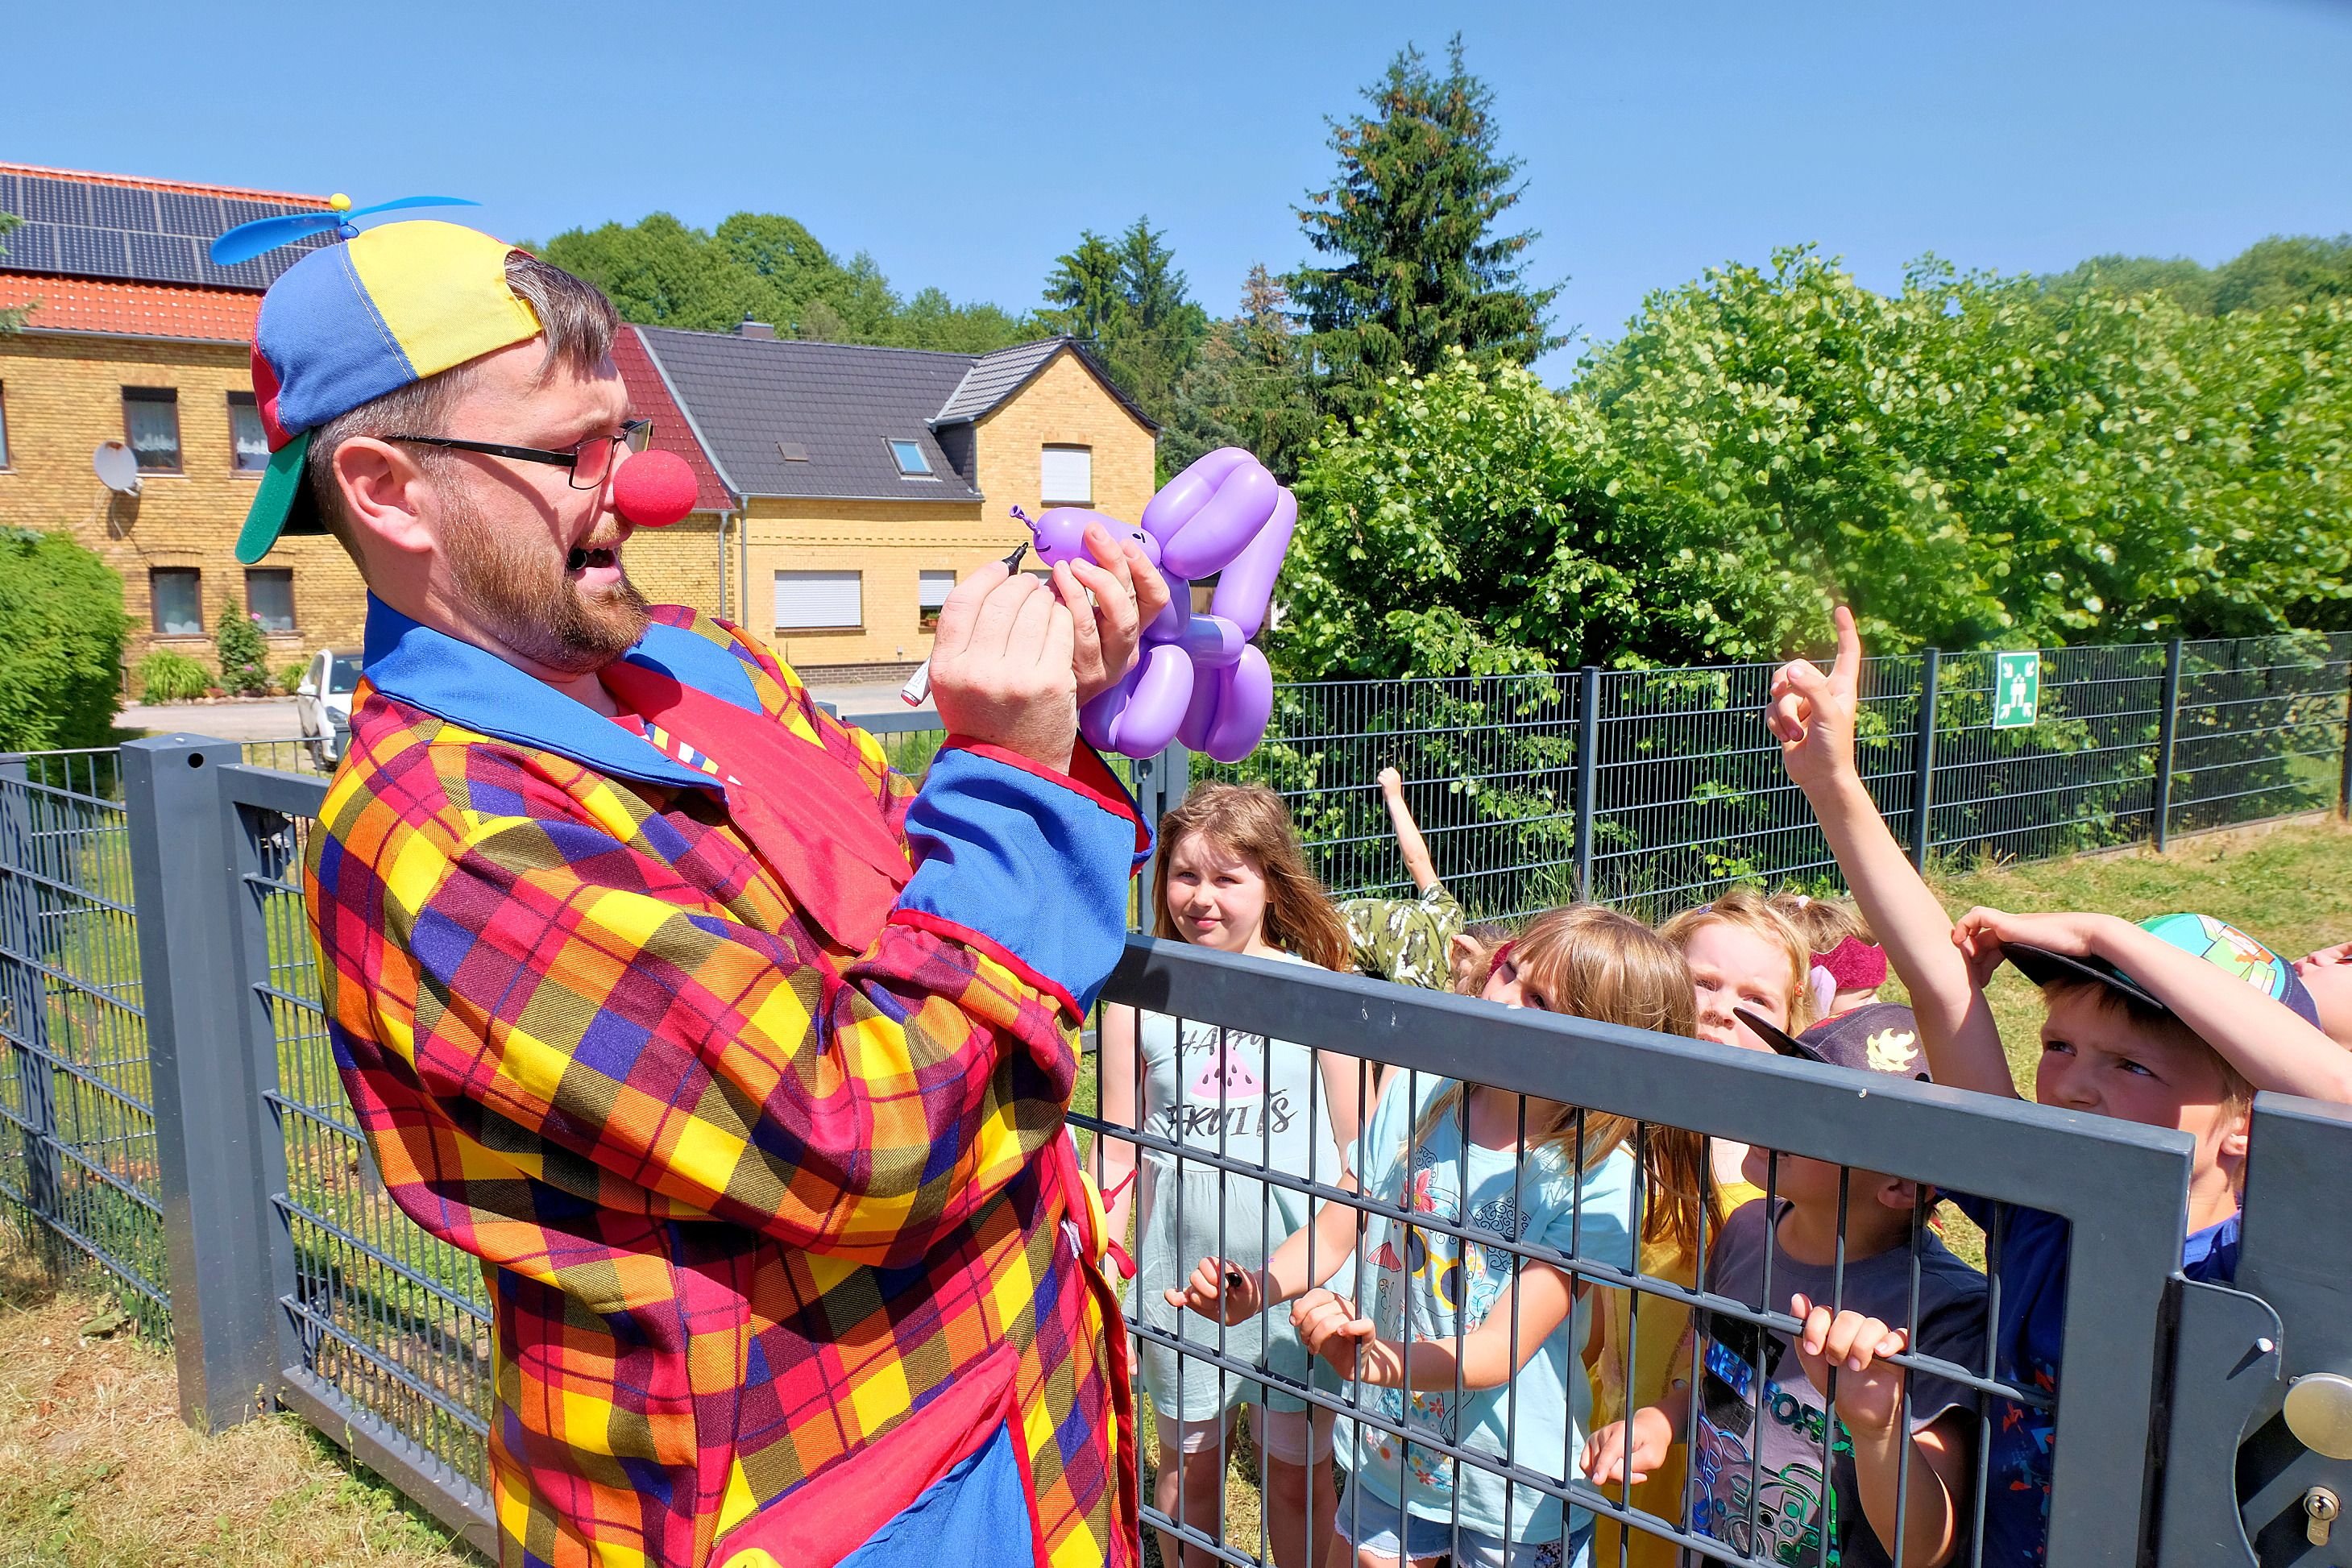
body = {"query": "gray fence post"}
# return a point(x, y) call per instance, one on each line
point(1588, 767)
point(209, 1115)
point(1160, 784)
point(25, 991)
point(1922, 758)
point(2344, 781)
point(2167, 730)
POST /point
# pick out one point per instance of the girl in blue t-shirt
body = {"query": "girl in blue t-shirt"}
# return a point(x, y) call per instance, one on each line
point(1463, 1342)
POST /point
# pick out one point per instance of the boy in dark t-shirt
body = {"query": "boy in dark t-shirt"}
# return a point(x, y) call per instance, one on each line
point(1802, 1437)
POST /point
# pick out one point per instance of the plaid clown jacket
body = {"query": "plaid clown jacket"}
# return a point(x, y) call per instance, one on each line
point(788, 1254)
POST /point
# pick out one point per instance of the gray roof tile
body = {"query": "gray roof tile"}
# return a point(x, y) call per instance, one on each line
point(994, 377)
point(842, 401)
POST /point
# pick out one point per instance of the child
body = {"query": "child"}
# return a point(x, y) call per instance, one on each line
point(1743, 953)
point(1849, 966)
point(2328, 975)
point(1230, 877)
point(1762, 1454)
point(1415, 942)
point(1469, 1318)
point(2131, 1031)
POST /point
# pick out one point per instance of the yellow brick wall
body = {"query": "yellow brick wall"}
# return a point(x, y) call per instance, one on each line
point(679, 565)
point(1065, 405)
point(63, 397)
point(889, 545)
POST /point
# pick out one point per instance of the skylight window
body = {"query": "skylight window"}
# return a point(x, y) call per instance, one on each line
point(912, 464)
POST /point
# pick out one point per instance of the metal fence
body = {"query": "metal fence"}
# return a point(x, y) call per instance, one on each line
point(1656, 788)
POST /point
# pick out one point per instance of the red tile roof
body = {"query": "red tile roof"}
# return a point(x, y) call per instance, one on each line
point(650, 395)
point(134, 309)
point(246, 192)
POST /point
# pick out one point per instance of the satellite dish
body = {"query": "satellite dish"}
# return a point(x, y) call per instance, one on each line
point(118, 470)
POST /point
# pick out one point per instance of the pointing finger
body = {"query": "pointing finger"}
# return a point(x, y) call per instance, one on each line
point(1847, 674)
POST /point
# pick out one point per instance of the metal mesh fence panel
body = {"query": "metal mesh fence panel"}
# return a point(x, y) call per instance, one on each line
point(78, 1156)
point(2260, 728)
point(395, 1322)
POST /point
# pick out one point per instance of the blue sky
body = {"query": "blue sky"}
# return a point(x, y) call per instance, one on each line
point(965, 145)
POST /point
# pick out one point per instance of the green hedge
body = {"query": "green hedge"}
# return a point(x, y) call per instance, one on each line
point(61, 656)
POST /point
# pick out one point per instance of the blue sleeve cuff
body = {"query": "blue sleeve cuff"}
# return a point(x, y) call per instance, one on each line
point(1033, 864)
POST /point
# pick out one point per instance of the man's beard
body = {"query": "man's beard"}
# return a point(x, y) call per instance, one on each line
point(517, 588)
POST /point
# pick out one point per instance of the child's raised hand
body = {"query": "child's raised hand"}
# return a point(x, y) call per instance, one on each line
point(1869, 1391)
point(1812, 714)
point(1390, 780)
point(1329, 1327)
point(1221, 1290)
point(1605, 1456)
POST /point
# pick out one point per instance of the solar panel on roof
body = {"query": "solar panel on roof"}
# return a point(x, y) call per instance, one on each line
point(182, 212)
point(93, 250)
point(122, 207)
point(52, 201)
point(166, 259)
point(30, 247)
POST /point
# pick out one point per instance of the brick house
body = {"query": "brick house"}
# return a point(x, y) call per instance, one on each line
point(134, 338)
point(863, 482)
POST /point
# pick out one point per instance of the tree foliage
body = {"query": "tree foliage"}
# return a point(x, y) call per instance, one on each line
point(60, 664)
point(1417, 268)
point(1970, 460)
point(1248, 387)
point(2285, 269)
point(1129, 303)
point(765, 266)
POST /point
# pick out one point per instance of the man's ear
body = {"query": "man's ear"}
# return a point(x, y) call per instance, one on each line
point(385, 493)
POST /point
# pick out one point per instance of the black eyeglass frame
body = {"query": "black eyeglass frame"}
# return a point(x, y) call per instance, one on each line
point(637, 434)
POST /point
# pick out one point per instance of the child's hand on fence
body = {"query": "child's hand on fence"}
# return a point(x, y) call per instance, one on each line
point(1869, 1391)
point(1329, 1328)
point(1221, 1290)
point(1605, 1456)
point(1812, 714)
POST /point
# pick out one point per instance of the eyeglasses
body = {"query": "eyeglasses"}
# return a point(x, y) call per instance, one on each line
point(590, 461)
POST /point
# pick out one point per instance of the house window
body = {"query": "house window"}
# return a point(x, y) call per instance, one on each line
point(912, 464)
point(3, 427)
point(151, 422)
point(820, 601)
point(248, 443)
point(1067, 476)
point(270, 597)
point(177, 594)
point(931, 590)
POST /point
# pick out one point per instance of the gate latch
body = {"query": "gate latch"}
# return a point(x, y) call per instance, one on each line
point(2320, 1507)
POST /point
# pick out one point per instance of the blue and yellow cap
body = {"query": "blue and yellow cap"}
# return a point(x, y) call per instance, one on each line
point(2198, 936)
point(350, 322)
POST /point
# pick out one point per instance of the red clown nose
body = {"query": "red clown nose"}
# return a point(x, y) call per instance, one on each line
point(653, 489)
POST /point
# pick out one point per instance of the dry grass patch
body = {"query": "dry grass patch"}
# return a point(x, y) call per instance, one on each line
point(97, 1469)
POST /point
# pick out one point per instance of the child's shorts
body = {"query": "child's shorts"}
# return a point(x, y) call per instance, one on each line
point(1286, 1436)
point(1371, 1525)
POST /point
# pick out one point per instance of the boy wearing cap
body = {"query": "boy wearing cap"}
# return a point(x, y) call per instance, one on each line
point(2173, 1024)
point(740, 1062)
point(1803, 1434)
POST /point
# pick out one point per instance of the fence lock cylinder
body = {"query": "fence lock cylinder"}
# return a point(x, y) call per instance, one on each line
point(2319, 1413)
point(2320, 1507)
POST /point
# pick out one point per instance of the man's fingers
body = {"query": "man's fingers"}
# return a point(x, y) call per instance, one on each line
point(1025, 637)
point(962, 611)
point(1111, 552)
point(1000, 611)
point(1847, 673)
point(1071, 587)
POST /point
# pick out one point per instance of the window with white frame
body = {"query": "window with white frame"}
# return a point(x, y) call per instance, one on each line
point(820, 601)
point(1067, 476)
point(931, 591)
point(912, 463)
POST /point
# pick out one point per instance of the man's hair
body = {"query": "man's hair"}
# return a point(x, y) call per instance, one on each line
point(2161, 1021)
point(576, 324)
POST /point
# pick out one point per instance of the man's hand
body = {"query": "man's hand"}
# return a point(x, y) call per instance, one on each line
point(1129, 595)
point(1605, 1456)
point(1869, 1391)
point(1001, 667)
point(1812, 714)
point(1225, 1291)
point(1329, 1328)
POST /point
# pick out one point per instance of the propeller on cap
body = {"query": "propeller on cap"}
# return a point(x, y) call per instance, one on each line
point(264, 235)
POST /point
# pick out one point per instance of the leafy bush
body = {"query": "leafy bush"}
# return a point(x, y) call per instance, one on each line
point(61, 661)
point(167, 677)
point(244, 654)
point(290, 676)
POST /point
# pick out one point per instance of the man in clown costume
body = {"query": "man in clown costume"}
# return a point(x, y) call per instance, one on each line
point(740, 1061)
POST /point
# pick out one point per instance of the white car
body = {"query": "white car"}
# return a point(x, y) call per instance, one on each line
point(322, 703)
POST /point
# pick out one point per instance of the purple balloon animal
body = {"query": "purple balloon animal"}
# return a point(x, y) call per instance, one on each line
point(1200, 679)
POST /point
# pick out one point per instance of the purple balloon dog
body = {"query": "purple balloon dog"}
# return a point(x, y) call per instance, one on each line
point(1200, 679)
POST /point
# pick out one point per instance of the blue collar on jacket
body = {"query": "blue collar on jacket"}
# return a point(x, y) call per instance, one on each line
point(475, 688)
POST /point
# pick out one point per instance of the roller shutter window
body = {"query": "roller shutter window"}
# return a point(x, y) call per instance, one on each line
point(1067, 476)
point(931, 591)
point(819, 601)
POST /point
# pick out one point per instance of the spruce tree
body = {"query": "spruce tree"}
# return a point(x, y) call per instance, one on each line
point(1416, 265)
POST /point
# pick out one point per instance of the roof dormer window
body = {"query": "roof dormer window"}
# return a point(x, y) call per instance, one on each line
point(912, 464)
